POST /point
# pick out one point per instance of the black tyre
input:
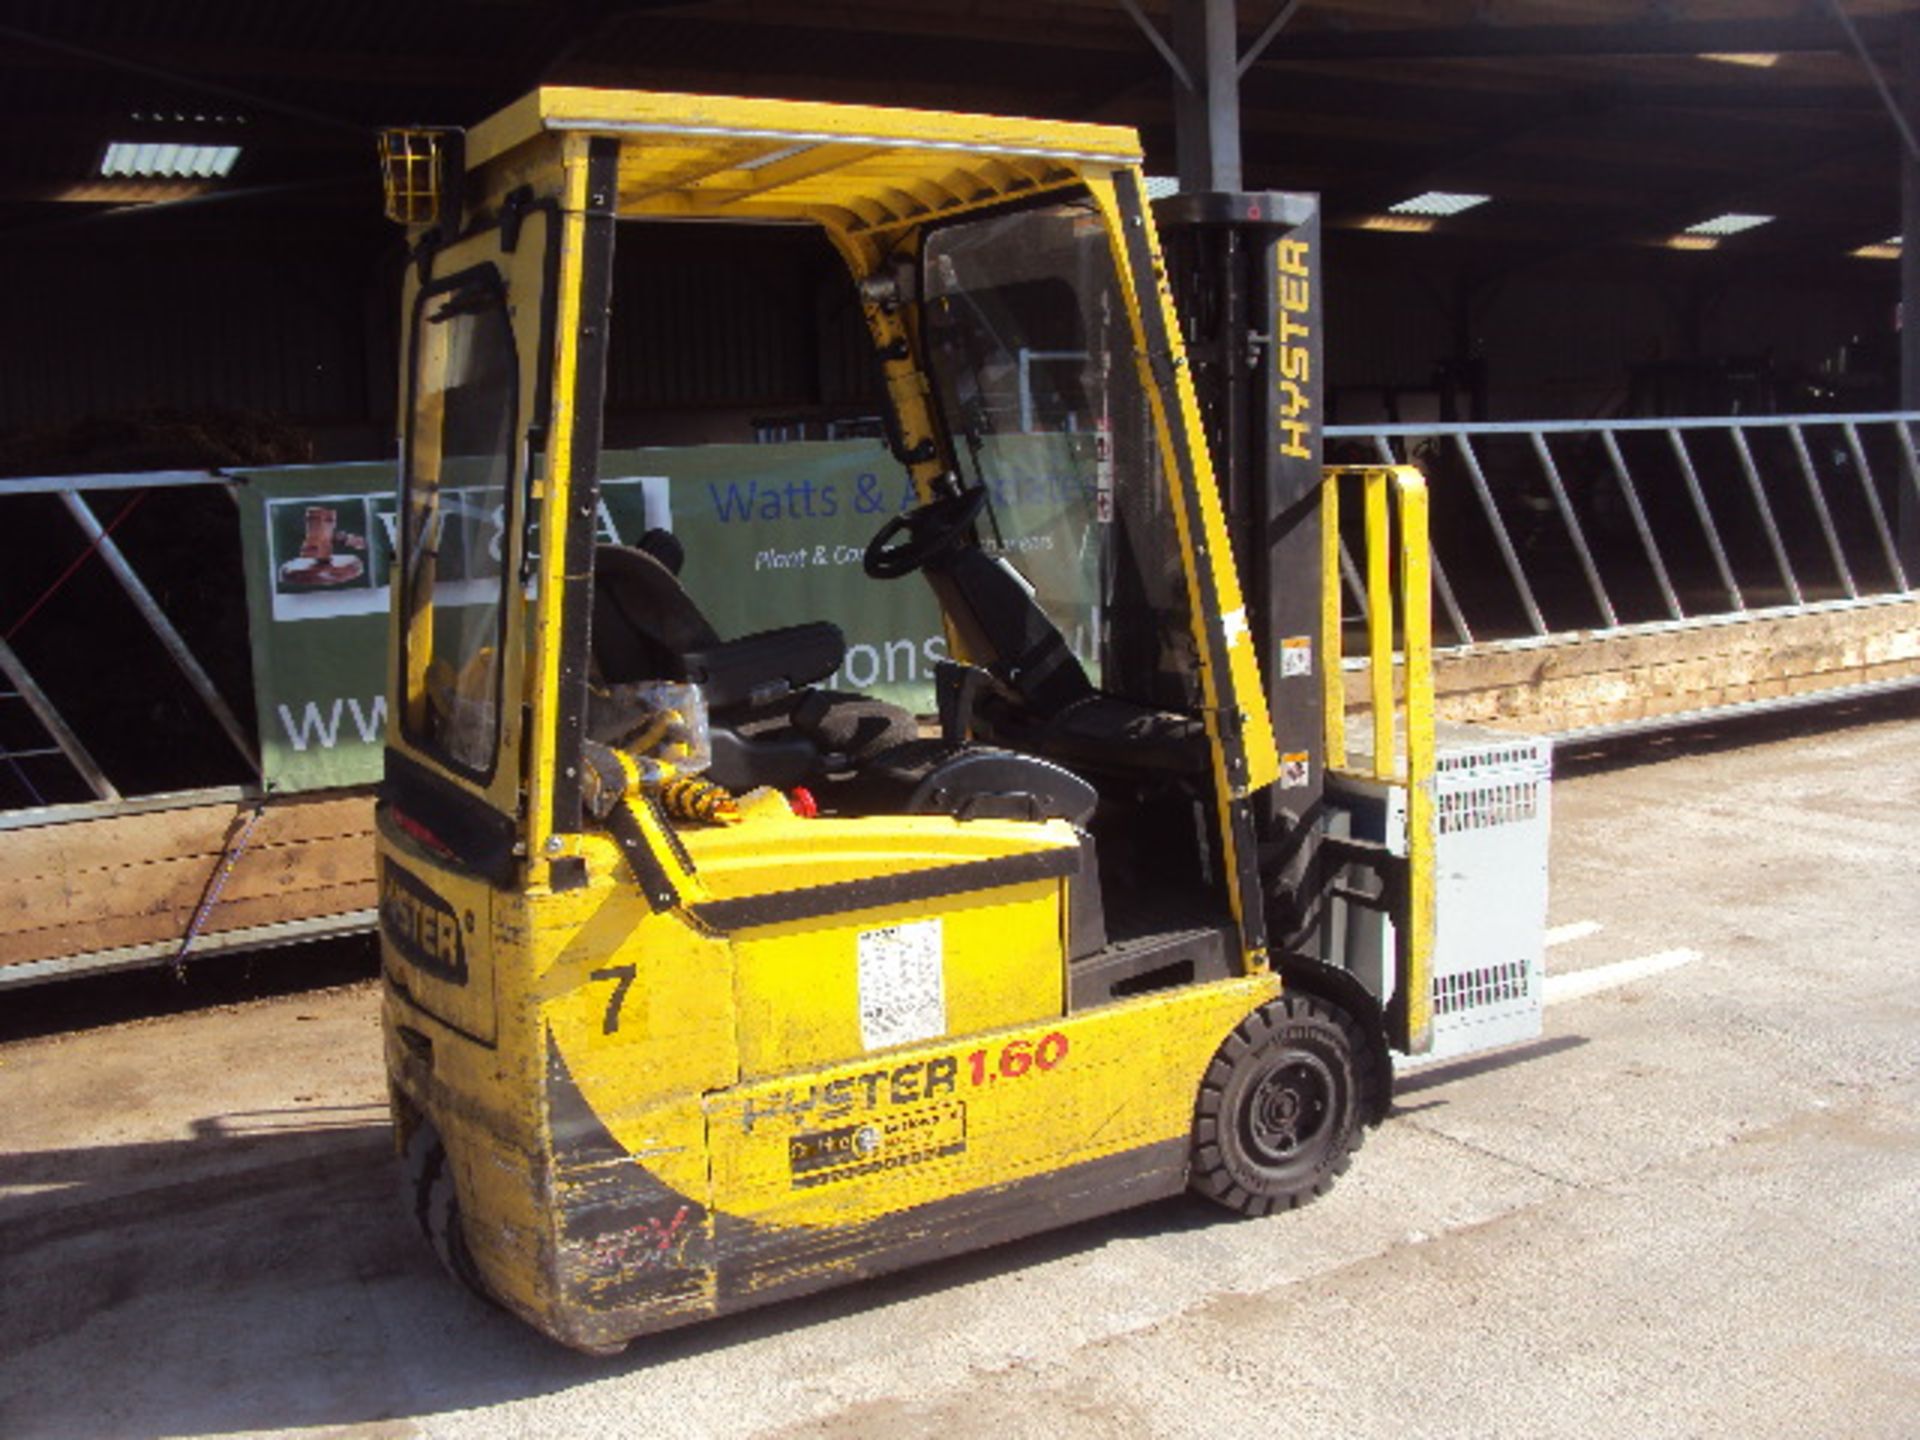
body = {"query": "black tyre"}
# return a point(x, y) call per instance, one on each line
point(1281, 1107)
point(430, 1196)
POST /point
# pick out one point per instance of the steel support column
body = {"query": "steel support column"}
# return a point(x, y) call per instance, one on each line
point(1909, 521)
point(1206, 115)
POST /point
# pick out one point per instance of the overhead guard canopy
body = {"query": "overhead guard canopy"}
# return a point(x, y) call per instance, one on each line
point(856, 168)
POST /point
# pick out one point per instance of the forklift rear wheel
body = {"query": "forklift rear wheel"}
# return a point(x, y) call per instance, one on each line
point(1279, 1115)
point(430, 1196)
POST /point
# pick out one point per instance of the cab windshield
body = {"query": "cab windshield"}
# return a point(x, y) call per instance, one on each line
point(1032, 356)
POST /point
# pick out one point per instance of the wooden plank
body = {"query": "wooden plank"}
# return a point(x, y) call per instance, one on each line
point(92, 885)
point(1691, 683)
point(1592, 680)
point(1790, 644)
point(1584, 654)
point(121, 840)
point(39, 902)
point(1574, 716)
point(67, 941)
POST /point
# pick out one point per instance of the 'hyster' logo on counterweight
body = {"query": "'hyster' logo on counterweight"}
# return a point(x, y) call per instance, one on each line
point(421, 925)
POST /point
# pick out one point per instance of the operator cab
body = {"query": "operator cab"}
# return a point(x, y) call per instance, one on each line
point(1101, 668)
point(1051, 543)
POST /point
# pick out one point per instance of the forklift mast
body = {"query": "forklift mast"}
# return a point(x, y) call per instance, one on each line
point(1245, 271)
point(1346, 853)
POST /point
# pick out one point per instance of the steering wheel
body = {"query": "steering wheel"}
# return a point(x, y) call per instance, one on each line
point(931, 529)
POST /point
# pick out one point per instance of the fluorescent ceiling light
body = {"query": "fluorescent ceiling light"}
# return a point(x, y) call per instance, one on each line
point(1887, 249)
point(1438, 203)
point(1757, 62)
point(166, 160)
point(1159, 187)
point(1729, 224)
point(1405, 224)
point(1691, 242)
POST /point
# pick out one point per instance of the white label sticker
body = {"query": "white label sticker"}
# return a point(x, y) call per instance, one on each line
point(1234, 623)
point(1296, 656)
point(903, 996)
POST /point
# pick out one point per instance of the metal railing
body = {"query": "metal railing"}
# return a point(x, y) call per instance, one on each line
point(1395, 586)
point(1552, 527)
point(51, 735)
point(58, 734)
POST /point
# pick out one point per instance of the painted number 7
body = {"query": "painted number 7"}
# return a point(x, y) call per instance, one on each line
point(622, 977)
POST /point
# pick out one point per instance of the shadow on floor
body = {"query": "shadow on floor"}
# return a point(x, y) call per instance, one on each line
point(262, 1276)
point(1732, 732)
point(88, 1002)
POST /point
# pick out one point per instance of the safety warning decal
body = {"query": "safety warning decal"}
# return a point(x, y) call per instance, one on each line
point(1296, 656)
point(1103, 473)
point(902, 991)
point(1296, 770)
point(887, 1142)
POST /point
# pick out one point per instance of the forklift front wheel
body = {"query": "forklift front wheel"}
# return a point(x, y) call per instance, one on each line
point(1279, 1114)
point(429, 1194)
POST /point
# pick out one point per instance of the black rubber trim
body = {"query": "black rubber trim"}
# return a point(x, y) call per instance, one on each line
point(1146, 286)
point(540, 421)
point(589, 397)
point(480, 837)
point(655, 883)
point(674, 842)
point(751, 911)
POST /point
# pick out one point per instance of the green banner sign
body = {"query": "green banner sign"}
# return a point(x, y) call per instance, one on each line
point(773, 536)
point(318, 542)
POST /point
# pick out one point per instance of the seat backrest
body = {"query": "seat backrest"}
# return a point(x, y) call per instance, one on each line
point(644, 621)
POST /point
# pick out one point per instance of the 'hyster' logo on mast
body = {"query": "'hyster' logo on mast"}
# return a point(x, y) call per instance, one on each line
point(421, 925)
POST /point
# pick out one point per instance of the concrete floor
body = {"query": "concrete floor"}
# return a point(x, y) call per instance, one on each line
point(1692, 1209)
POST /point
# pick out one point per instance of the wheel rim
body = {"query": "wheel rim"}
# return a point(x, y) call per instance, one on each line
point(1289, 1109)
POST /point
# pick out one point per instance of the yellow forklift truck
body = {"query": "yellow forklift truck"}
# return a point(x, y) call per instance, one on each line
point(706, 985)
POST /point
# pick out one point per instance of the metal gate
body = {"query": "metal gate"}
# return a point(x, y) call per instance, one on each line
point(1548, 533)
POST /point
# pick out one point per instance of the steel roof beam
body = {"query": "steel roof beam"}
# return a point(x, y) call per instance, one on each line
point(1638, 38)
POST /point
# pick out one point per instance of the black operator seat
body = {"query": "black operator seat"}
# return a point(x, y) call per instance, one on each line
point(770, 724)
point(1059, 712)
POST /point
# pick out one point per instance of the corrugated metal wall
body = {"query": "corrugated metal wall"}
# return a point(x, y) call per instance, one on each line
point(709, 317)
point(300, 324)
point(149, 313)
